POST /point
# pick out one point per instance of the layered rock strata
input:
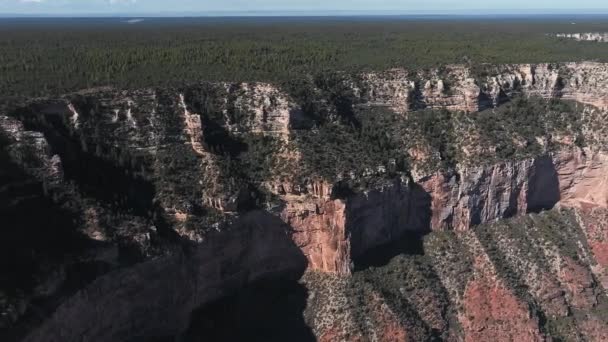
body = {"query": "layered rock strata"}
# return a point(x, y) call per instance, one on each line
point(590, 36)
point(464, 89)
point(171, 161)
point(473, 196)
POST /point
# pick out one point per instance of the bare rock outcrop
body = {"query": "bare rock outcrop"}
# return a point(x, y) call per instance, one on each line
point(404, 91)
point(32, 151)
point(332, 232)
point(589, 36)
point(270, 111)
point(571, 177)
point(460, 88)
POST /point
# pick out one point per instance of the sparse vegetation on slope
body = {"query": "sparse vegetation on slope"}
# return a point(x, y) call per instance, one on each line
point(430, 296)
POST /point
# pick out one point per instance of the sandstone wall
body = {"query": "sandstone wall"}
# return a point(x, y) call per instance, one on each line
point(459, 88)
point(487, 194)
point(333, 232)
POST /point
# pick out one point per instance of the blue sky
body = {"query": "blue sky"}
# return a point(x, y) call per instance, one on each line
point(288, 6)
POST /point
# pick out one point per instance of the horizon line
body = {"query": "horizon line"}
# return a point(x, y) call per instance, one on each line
point(315, 13)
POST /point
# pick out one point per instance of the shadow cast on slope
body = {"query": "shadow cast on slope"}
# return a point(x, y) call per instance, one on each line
point(410, 243)
point(402, 283)
point(155, 299)
point(269, 310)
point(110, 179)
point(405, 233)
point(111, 176)
point(34, 227)
point(543, 191)
point(37, 236)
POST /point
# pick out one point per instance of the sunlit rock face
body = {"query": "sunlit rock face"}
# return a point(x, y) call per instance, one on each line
point(590, 36)
point(459, 88)
point(188, 195)
point(571, 177)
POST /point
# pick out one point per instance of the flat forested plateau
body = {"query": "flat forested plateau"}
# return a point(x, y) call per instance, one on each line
point(41, 57)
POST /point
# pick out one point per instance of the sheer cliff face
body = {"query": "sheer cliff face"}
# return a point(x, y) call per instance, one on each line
point(459, 88)
point(571, 177)
point(331, 233)
point(334, 231)
point(213, 185)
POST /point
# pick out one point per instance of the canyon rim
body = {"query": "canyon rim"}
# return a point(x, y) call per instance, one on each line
point(384, 201)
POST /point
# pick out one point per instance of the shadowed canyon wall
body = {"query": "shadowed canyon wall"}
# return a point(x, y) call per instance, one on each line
point(156, 298)
point(192, 194)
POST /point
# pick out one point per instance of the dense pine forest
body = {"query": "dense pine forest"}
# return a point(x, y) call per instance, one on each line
point(53, 56)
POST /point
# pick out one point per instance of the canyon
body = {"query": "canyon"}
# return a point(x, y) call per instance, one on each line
point(175, 200)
